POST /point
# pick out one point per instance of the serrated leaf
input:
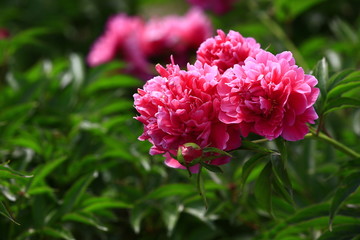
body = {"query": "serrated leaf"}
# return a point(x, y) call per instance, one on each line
point(347, 187)
point(6, 213)
point(250, 165)
point(341, 89)
point(112, 83)
point(341, 103)
point(85, 219)
point(43, 171)
point(342, 232)
point(7, 172)
point(263, 188)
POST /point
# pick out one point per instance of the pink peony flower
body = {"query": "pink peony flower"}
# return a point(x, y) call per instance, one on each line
point(176, 35)
point(181, 106)
point(121, 37)
point(217, 6)
point(270, 96)
point(224, 51)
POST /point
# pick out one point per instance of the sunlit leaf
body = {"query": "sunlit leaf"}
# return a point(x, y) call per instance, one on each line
point(7, 172)
point(342, 88)
point(85, 219)
point(251, 164)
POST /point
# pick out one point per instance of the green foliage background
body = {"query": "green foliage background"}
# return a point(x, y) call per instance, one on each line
point(71, 166)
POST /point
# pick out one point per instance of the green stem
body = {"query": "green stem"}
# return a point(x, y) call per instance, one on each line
point(336, 144)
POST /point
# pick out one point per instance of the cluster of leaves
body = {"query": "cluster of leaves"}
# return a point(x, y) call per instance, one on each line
point(71, 166)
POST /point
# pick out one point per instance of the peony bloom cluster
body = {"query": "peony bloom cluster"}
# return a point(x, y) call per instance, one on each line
point(233, 89)
point(217, 6)
point(181, 106)
point(141, 43)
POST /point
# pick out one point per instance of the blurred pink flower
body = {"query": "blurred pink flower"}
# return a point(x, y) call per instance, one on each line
point(270, 96)
point(225, 51)
point(181, 106)
point(140, 43)
point(4, 33)
point(217, 6)
point(176, 35)
point(121, 37)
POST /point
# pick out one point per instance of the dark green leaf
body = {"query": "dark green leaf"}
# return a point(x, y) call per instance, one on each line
point(248, 145)
point(342, 88)
point(113, 83)
point(75, 193)
point(201, 187)
point(56, 233)
point(347, 187)
point(342, 232)
point(216, 150)
point(43, 171)
point(85, 219)
point(340, 103)
point(212, 168)
point(321, 72)
point(7, 172)
point(250, 165)
point(6, 213)
point(171, 190)
point(263, 188)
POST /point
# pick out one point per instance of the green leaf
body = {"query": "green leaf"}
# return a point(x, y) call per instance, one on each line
point(342, 88)
point(85, 219)
point(201, 187)
point(12, 112)
point(75, 193)
point(105, 205)
point(112, 83)
point(216, 150)
point(170, 215)
point(56, 233)
point(211, 168)
point(341, 103)
point(342, 232)
point(7, 172)
point(279, 170)
point(137, 214)
point(169, 190)
point(250, 165)
point(263, 188)
point(321, 72)
point(43, 171)
point(347, 187)
point(248, 145)
point(338, 77)
point(116, 107)
point(6, 213)
point(27, 143)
